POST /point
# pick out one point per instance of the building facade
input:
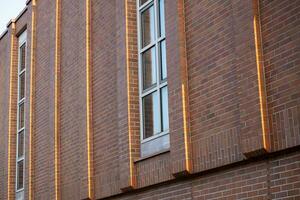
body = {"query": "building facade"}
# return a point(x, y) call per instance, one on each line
point(151, 99)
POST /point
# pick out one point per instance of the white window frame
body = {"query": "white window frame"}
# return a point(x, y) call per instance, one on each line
point(161, 141)
point(22, 41)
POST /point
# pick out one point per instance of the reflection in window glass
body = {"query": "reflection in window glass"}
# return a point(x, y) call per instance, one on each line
point(20, 144)
point(21, 115)
point(22, 86)
point(153, 69)
point(20, 135)
point(20, 171)
point(163, 58)
point(22, 56)
point(151, 115)
point(161, 18)
point(148, 26)
point(149, 68)
point(165, 109)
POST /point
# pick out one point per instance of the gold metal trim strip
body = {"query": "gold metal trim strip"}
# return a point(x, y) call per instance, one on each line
point(184, 90)
point(131, 162)
point(56, 100)
point(89, 121)
point(260, 72)
point(9, 164)
point(32, 93)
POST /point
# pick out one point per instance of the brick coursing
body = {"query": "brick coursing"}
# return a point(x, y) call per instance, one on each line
point(280, 33)
point(12, 112)
point(73, 176)
point(276, 177)
point(43, 162)
point(215, 39)
point(4, 99)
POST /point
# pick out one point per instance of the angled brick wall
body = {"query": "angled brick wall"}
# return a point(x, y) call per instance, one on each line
point(12, 113)
point(280, 37)
point(213, 82)
point(43, 143)
point(218, 69)
point(73, 177)
point(4, 102)
point(105, 107)
point(274, 178)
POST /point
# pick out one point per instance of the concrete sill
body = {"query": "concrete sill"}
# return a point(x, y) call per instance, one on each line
point(152, 155)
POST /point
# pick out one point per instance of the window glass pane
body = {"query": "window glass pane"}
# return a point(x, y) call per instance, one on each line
point(20, 144)
point(162, 18)
point(22, 86)
point(165, 109)
point(21, 115)
point(148, 26)
point(163, 60)
point(149, 68)
point(20, 169)
point(22, 56)
point(151, 115)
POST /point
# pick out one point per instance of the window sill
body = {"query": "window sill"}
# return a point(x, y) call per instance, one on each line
point(152, 155)
point(155, 145)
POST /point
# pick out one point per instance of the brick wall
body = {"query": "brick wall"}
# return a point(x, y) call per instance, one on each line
point(276, 177)
point(213, 83)
point(24, 23)
point(12, 110)
point(43, 151)
point(4, 99)
point(214, 128)
point(105, 107)
point(280, 36)
point(72, 101)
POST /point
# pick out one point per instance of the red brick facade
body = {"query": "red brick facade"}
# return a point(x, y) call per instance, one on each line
point(234, 101)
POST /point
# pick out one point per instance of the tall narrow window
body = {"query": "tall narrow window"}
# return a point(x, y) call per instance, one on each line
point(153, 85)
point(20, 152)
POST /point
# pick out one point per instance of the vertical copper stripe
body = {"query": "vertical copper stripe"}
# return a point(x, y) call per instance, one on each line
point(89, 122)
point(10, 185)
point(32, 93)
point(260, 72)
point(131, 164)
point(184, 87)
point(57, 100)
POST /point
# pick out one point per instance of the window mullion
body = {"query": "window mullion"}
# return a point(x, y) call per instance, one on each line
point(163, 84)
point(20, 159)
point(21, 129)
point(149, 91)
point(160, 39)
point(157, 61)
point(21, 101)
point(21, 72)
point(149, 46)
